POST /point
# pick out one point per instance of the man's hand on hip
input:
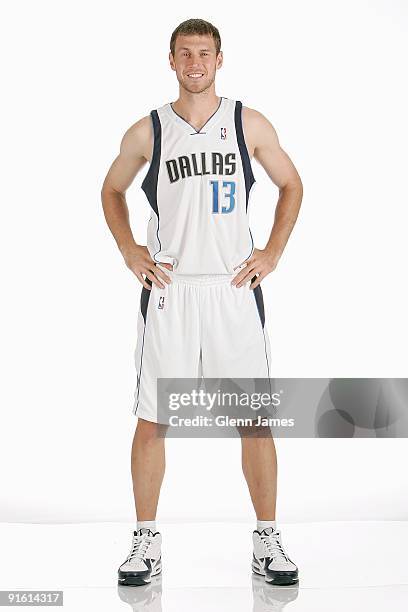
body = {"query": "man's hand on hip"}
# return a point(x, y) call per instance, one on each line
point(260, 264)
point(139, 261)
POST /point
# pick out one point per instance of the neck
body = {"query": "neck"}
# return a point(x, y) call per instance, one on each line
point(196, 107)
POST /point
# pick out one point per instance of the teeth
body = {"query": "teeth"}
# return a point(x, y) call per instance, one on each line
point(195, 75)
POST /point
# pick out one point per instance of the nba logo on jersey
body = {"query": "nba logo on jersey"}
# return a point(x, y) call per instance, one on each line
point(223, 133)
point(161, 302)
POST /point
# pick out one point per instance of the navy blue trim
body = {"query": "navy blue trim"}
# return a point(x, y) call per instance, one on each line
point(203, 126)
point(267, 362)
point(149, 184)
point(246, 162)
point(144, 298)
point(261, 311)
point(259, 301)
point(144, 303)
point(252, 247)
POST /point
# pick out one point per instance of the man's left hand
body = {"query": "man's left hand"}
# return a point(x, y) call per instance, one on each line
point(260, 264)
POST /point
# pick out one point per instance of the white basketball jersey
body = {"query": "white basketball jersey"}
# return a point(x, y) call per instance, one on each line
point(198, 186)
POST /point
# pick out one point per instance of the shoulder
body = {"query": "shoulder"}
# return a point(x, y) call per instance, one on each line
point(138, 138)
point(254, 120)
point(257, 129)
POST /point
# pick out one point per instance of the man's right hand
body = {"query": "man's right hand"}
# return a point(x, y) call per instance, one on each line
point(139, 261)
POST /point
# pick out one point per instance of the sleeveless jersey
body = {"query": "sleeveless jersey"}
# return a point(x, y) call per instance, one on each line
point(198, 186)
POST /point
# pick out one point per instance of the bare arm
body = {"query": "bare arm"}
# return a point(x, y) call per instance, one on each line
point(263, 144)
point(135, 150)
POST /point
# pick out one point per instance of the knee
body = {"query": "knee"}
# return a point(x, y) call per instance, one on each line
point(148, 432)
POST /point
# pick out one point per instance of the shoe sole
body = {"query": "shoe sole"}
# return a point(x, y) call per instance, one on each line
point(276, 580)
point(137, 580)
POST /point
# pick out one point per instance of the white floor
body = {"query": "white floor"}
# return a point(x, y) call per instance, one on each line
point(342, 566)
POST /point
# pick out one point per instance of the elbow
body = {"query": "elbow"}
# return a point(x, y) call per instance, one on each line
point(294, 185)
point(107, 191)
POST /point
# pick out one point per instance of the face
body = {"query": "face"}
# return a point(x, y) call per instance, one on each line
point(195, 62)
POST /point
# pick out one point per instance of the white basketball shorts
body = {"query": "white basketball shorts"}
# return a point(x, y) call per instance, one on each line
point(198, 326)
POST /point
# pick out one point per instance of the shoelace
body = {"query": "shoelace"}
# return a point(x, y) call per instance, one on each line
point(273, 546)
point(139, 547)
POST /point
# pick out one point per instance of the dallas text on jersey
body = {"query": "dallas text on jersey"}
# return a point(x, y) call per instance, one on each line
point(207, 163)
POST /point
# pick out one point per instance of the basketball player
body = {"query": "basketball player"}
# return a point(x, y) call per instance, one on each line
point(201, 309)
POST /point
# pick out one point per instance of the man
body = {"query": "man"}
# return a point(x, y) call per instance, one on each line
point(201, 310)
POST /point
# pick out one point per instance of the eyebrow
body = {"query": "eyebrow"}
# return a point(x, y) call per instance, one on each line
point(187, 49)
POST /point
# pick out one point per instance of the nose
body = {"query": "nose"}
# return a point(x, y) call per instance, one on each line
point(195, 60)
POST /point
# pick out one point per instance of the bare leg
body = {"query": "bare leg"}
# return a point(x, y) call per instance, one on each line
point(259, 465)
point(148, 466)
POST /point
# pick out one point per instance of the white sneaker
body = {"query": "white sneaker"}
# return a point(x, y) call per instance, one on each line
point(144, 560)
point(270, 560)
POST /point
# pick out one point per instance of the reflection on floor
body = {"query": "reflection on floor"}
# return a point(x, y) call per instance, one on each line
point(265, 597)
point(207, 566)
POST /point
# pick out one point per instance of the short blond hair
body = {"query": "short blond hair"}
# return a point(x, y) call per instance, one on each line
point(196, 26)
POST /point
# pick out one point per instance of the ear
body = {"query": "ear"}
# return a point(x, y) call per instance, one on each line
point(171, 60)
point(220, 59)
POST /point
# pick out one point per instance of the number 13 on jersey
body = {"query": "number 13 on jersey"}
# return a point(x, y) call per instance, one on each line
point(228, 191)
